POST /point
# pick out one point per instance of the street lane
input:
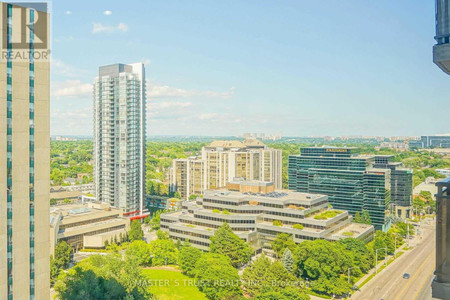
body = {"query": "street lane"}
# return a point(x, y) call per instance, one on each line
point(419, 263)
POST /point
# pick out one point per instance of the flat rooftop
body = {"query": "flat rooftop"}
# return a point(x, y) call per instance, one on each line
point(77, 212)
point(352, 230)
point(281, 195)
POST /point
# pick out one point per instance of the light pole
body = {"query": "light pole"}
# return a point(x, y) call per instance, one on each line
point(376, 258)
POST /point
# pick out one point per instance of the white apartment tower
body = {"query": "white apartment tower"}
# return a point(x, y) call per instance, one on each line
point(119, 136)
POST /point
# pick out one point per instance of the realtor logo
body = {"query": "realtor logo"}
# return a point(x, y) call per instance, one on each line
point(25, 30)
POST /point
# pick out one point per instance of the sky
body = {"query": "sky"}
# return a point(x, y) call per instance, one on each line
point(300, 67)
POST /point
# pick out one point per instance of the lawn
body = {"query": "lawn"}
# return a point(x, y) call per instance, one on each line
point(172, 285)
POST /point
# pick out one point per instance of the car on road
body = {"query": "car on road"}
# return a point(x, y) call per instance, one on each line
point(406, 276)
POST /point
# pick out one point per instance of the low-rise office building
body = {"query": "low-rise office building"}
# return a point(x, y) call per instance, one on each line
point(86, 225)
point(258, 217)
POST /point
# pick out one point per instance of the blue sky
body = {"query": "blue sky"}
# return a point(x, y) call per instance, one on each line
point(302, 68)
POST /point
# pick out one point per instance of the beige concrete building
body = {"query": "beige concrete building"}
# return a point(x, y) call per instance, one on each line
point(222, 162)
point(86, 225)
point(187, 176)
point(24, 152)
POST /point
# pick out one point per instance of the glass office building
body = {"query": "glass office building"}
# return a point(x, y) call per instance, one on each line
point(349, 179)
point(431, 141)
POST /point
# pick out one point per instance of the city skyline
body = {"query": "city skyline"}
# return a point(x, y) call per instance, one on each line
point(207, 80)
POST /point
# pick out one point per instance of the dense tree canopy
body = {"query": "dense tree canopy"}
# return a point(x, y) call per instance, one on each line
point(187, 259)
point(216, 276)
point(281, 242)
point(225, 242)
point(102, 277)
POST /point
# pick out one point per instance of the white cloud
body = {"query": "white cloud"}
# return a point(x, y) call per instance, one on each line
point(107, 12)
point(68, 12)
point(146, 61)
point(99, 28)
point(167, 104)
point(207, 116)
point(71, 88)
point(61, 68)
point(164, 91)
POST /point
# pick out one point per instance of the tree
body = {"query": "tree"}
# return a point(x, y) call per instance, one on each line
point(216, 276)
point(335, 286)
point(379, 243)
point(225, 242)
point(162, 235)
point(156, 220)
point(255, 276)
point(177, 195)
point(102, 277)
point(187, 259)
point(362, 256)
point(321, 259)
point(288, 260)
point(135, 232)
point(281, 242)
point(288, 293)
point(402, 229)
point(365, 217)
point(140, 252)
point(263, 276)
point(164, 252)
point(60, 261)
point(357, 218)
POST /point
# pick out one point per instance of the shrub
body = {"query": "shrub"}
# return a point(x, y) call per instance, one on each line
point(277, 223)
point(297, 226)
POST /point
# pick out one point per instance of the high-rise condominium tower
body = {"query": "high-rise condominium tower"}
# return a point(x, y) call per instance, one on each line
point(119, 136)
point(24, 152)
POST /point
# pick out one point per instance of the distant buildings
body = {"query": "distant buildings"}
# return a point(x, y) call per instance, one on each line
point(262, 136)
point(257, 212)
point(352, 181)
point(119, 136)
point(445, 172)
point(24, 151)
point(222, 162)
point(86, 225)
point(431, 141)
point(399, 146)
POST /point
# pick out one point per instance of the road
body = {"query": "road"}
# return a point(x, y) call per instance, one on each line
point(419, 263)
